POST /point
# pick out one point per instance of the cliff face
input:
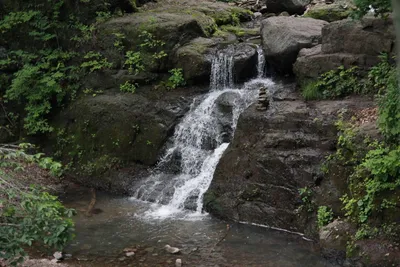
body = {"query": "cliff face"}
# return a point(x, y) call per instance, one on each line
point(273, 155)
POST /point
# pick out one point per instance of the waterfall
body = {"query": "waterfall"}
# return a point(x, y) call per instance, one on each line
point(221, 71)
point(186, 169)
point(260, 62)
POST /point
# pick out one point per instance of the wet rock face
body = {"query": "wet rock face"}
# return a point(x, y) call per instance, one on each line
point(244, 62)
point(224, 114)
point(195, 60)
point(98, 134)
point(284, 37)
point(335, 235)
point(347, 43)
point(273, 154)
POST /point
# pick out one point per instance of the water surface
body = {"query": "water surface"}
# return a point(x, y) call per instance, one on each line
point(204, 241)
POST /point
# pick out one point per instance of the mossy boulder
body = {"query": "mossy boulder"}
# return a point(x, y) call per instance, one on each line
point(195, 61)
point(241, 32)
point(331, 12)
point(172, 28)
point(97, 134)
point(222, 13)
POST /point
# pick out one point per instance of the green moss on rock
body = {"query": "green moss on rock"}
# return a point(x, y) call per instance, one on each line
point(239, 31)
point(328, 13)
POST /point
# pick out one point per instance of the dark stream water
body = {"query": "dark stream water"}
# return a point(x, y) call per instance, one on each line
point(204, 241)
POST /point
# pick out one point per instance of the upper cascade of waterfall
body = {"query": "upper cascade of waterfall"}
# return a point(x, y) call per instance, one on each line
point(222, 71)
point(260, 62)
point(186, 169)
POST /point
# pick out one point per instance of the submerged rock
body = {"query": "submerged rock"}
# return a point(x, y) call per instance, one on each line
point(130, 254)
point(172, 250)
point(58, 255)
point(284, 37)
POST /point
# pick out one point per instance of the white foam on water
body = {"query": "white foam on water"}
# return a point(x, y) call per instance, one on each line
point(198, 143)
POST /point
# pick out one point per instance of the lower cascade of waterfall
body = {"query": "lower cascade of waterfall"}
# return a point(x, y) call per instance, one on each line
point(186, 169)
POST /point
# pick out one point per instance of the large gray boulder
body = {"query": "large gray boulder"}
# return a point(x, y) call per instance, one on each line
point(370, 36)
point(284, 37)
point(347, 43)
point(196, 57)
point(291, 6)
point(173, 28)
point(271, 157)
point(98, 134)
point(337, 10)
point(244, 62)
point(194, 60)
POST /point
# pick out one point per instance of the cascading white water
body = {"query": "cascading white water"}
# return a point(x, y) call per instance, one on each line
point(185, 172)
point(221, 71)
point(260, 62)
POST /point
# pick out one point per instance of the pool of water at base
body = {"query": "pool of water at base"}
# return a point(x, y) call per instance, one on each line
point(120, 223)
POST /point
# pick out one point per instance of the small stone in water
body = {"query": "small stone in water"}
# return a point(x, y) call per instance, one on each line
point(178, 263)
point(130, 250)
point(58, 255)
point(122, 259)
point(171, 250)
point(130, 254)
point(149, 250)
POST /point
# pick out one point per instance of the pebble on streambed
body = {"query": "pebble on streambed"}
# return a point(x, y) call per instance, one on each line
point(171, 250)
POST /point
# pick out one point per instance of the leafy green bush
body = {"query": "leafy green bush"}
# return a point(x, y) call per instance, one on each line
point(28, 214)
point(324, 216)
point(378, 173)
point(176, 79)
point(134, 62)
point(95, 61)
point(381, 7)
point(31, 216)
point(311, 91)
point(306, 198)
point(343, 82)
point(334, 84)
point(379, 76)
point(389, 108)
point(374, 166)
point(128, 87)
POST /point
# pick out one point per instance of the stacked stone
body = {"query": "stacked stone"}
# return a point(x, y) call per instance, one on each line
point(263, 99)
